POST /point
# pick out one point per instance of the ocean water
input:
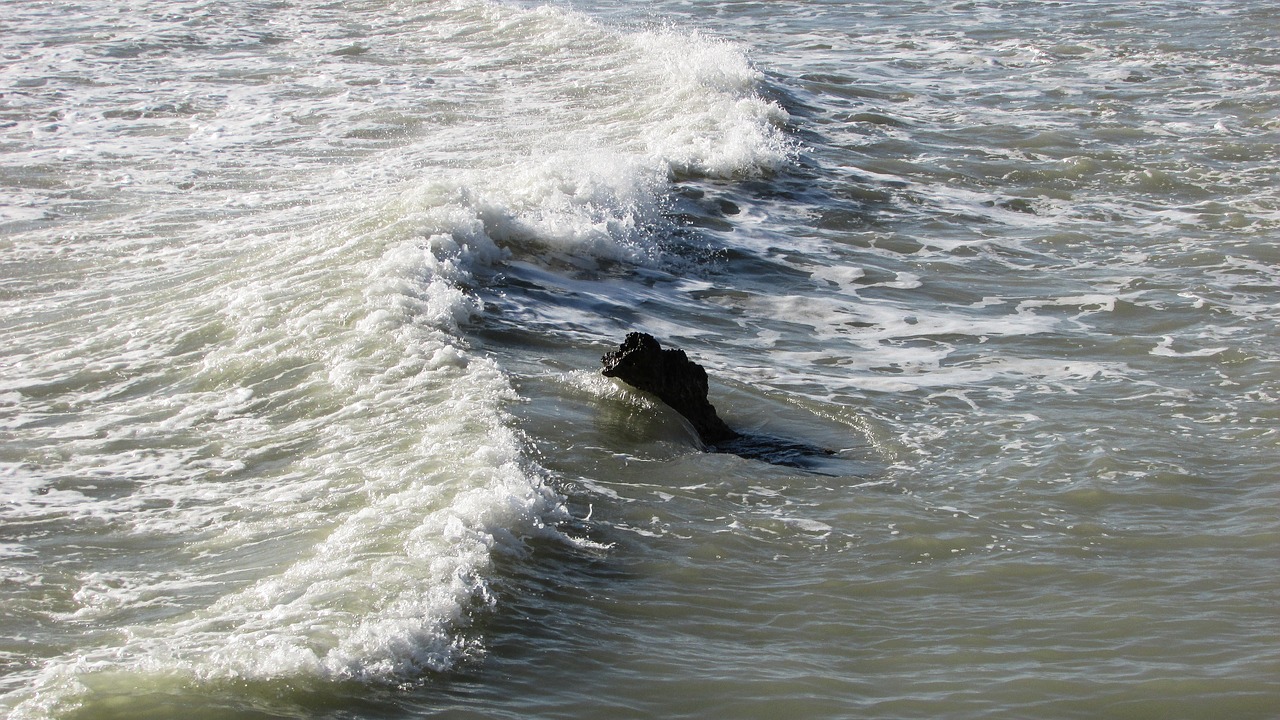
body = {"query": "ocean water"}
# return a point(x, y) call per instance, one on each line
point(302, 305)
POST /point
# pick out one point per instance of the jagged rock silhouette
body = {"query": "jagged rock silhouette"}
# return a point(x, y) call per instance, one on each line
point(681, 383)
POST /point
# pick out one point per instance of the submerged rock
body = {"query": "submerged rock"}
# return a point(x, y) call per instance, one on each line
point(677, 381)
point(642, 363)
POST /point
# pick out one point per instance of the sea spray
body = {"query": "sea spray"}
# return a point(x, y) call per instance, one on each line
point(278, 456)
point(384, 529)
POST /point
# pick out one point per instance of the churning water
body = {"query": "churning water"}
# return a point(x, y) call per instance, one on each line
point(302, 305)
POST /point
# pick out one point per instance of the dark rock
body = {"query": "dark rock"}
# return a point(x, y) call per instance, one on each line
point(677, 381)
point(681, 383)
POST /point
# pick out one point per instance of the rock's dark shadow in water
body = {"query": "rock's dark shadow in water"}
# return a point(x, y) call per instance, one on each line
point(775, 450)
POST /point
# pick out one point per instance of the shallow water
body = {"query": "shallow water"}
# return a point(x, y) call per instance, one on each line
point(303, 307)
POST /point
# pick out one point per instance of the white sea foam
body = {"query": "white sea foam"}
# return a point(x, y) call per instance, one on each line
point(287, 395)
point(405, 539)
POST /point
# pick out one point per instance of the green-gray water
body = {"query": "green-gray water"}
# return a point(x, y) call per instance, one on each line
point(302, 309)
